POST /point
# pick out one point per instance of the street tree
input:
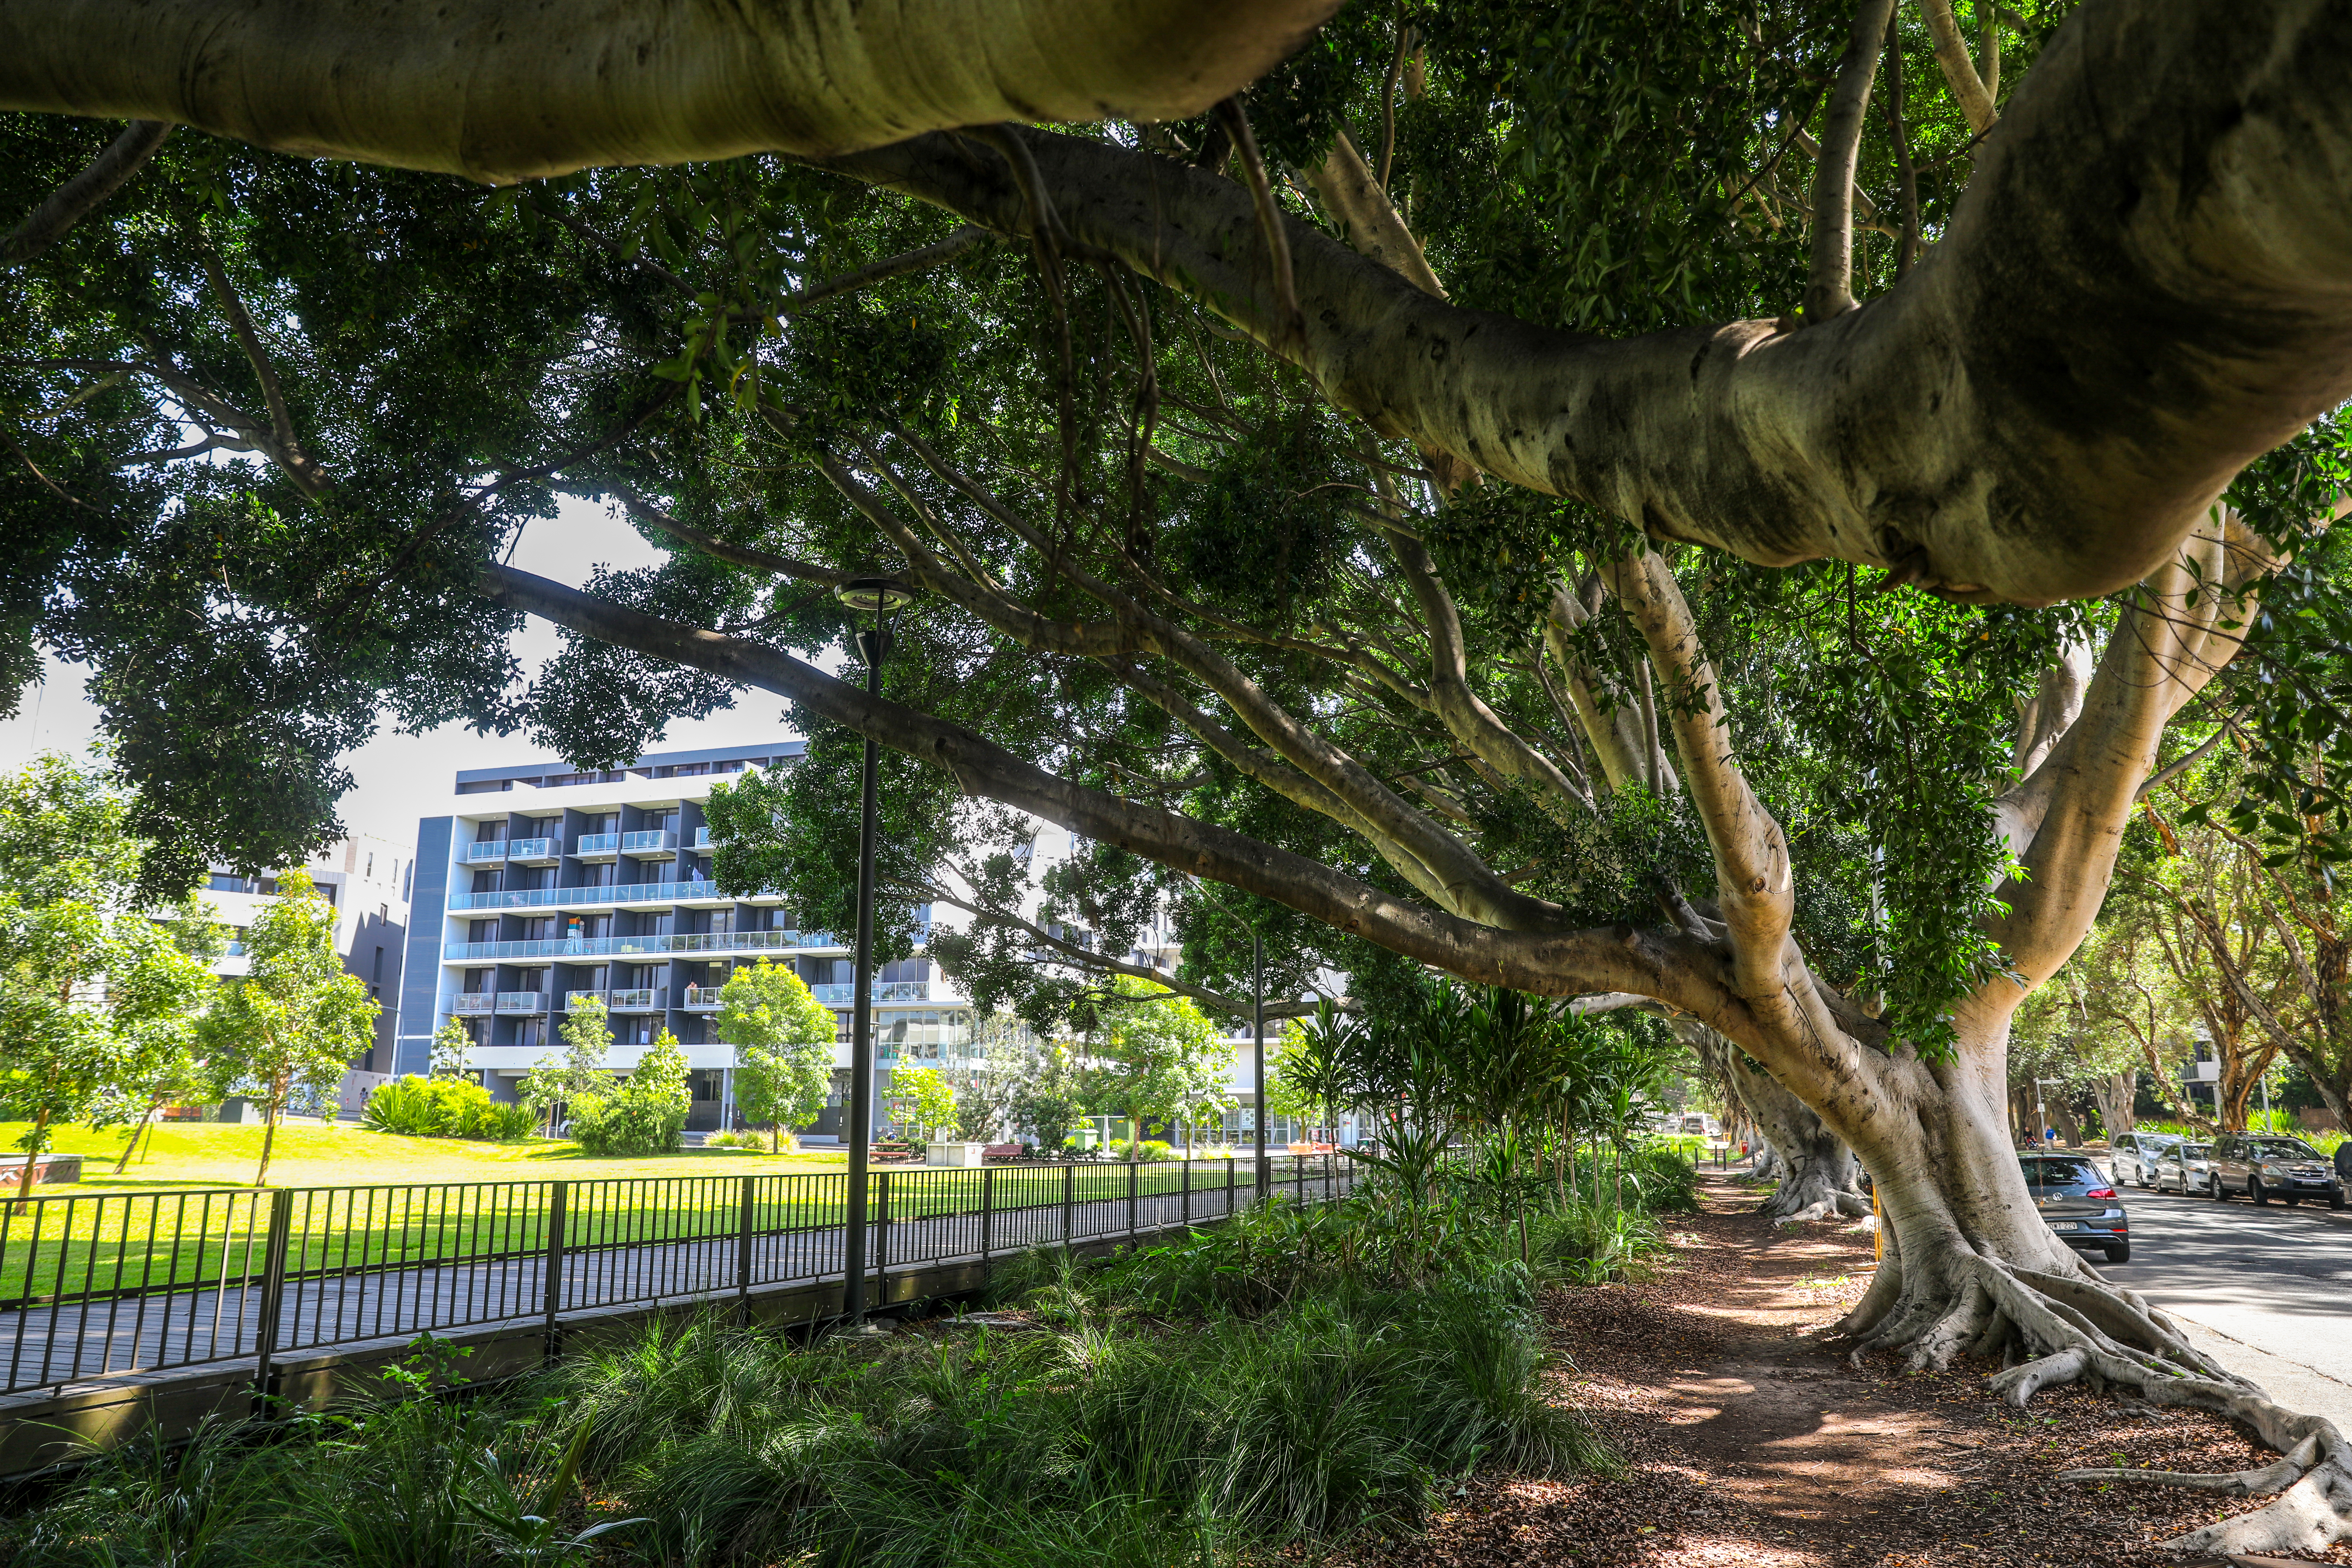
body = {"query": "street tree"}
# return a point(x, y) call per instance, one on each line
point(292, 1024)
point(1691, 698)
point(165, 1062)
point(555, 1082)
point(452, 1044)
point(784, 1039)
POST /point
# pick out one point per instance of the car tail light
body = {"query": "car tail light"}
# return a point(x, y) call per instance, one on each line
point(2100, 1193)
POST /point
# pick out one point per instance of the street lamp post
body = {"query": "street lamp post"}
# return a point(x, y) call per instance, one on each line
point(880, 596)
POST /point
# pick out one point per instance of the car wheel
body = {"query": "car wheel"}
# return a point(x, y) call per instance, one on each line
point(2119, 1253)
point(2256, 1191)
point(2216, 1190)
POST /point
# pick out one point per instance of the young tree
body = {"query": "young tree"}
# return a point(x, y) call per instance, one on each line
point(784, 1039)
point(451, 1045)
point(292, 1024)
point(1046, 1097)
point(922, 1100)
point(94, 995)
point(646, 1113)
point(580, 1073)
point(1156, 1058)
point(164, 1061)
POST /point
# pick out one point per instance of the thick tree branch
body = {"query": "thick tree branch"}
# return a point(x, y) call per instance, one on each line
point(505, 91)
point(82, 195)
point(1968, 89)
point(1830, 294)
point(1558, 961)
point(286, 447)
point(2041, 410)
point(710, 545)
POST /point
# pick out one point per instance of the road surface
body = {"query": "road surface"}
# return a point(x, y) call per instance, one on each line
point(2267, 1292)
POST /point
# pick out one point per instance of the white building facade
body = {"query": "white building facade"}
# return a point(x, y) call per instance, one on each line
point(367, 879)
point(539, 885)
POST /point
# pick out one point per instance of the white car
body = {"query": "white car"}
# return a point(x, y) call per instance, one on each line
point(2134, 1155)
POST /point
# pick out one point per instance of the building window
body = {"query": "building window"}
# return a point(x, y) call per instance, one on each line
point(378, 974)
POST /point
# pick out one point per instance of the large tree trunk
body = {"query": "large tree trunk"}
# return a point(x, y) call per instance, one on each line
point(2115, 1092)
point(1819, 1176)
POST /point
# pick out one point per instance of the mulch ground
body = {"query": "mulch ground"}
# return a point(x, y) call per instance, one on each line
point(1748, 1443)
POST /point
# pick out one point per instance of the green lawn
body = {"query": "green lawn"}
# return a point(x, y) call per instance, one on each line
point(184, 1154)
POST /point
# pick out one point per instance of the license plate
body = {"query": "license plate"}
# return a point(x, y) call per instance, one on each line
point(2062, 1224)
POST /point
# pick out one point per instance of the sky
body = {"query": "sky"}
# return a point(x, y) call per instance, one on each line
point(399, 777)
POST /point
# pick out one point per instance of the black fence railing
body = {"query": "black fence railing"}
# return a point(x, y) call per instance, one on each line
point(104, 1285)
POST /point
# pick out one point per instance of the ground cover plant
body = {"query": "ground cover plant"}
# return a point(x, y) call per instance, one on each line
point(1249, 1388)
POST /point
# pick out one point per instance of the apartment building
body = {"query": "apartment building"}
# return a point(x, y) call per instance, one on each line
point(539, 885)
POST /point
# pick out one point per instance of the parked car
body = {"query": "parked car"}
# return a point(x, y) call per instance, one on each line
point(2078, 1201)
point(2184, 1168)
point(2264, 1165)
point(2135, 1153)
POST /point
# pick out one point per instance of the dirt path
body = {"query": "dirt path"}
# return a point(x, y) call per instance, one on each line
point(1750, 1443)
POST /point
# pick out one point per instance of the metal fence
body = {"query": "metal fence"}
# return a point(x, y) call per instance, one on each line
point(134, 1282)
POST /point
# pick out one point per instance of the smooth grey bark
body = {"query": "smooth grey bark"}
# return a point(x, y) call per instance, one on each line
point(77, 197)
point(512, 90)
point(2146, 284)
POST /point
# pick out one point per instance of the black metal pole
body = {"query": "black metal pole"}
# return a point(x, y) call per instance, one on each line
point(1257, 1051)
point(861, 1027)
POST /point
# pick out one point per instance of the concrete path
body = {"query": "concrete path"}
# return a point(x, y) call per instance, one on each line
point(2267, 1292)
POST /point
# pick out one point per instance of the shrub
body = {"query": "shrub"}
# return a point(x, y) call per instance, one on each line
point(645, 1115)
point(444, 1108)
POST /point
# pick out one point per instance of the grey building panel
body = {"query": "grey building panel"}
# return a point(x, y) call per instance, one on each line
point(421, 975)
point(650, 760)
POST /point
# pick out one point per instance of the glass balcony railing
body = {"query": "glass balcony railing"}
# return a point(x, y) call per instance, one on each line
point(495, 852)
point(702, 838)
point(589, 898)
point(884, 991)
point(530, 848)
point(653, 842)
point(470, 1004)
point(702, 998)
point(522, 1001)
point(629, 946)
point(572, 999)
point(598, 844)
point(234, 950)
point(641, 1000)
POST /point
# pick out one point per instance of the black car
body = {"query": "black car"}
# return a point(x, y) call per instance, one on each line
point(2265, 1166)
point(2078, 1202)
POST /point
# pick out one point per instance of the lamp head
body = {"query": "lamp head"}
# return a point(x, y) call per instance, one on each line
point(874, 593)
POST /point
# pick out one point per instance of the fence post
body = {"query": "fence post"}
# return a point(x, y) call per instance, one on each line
point(1229, 1186)
point(882, 1238)
point(273, 1296)
point(1188, 1188)
point(1069, 1197)
point(987, 1213)
point(559, 1200)
point(1134, 1170)
point(743, 1258)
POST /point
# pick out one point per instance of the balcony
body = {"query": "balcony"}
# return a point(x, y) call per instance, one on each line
point(531, 851)
point(493, 853)
point(574, 1000)
point(590, 897)
point(471, 1005)
point(884, 991)
point(702, 998)
point(655, 845)
point(702, 838)
point(597, 846)
point(644, 999)
point(523, 1002)
point(748, 942)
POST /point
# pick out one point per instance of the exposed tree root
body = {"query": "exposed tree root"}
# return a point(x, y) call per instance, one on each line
point(2059, 1327)
point(1852, 1204)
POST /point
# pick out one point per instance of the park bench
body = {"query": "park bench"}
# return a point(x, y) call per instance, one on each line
point(1001, 1152)
point(896, 1153)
